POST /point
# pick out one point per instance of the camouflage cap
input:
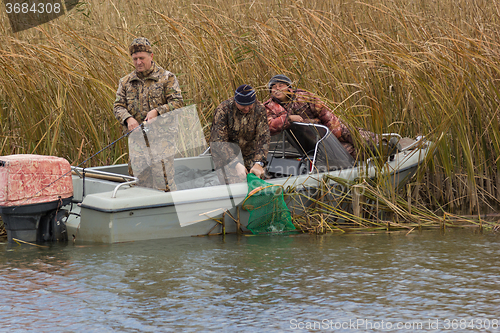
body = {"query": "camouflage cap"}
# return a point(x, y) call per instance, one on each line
point(140, 44)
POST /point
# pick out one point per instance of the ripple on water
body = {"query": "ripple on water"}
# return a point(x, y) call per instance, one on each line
point(248, 283)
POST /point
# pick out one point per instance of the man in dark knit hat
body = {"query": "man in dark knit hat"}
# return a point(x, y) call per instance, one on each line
point(144, 94)
point(240, 124)
point(287, 105)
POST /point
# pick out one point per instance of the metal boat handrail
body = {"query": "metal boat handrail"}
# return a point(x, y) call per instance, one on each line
point(84, 171)
point(79, 171)
point(120, 185)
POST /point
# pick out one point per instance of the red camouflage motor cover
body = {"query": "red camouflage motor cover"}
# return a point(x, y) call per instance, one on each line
point(30, 179)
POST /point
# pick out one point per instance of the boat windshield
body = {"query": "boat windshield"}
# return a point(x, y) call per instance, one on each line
point(154, 145)
point(172, 147)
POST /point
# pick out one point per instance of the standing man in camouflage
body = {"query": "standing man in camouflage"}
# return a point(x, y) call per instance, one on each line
point(240, 124)
point(143, 95)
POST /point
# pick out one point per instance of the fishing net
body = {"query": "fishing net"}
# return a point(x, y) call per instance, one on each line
point(267, 207)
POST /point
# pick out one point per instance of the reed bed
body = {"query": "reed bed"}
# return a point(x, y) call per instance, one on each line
point(366, 206)
point(409, 67)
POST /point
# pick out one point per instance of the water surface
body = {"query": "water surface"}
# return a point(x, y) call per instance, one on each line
point(428, 281)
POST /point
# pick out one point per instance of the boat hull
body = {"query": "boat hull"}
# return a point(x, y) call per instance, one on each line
point(138, 213)
point(154, 215)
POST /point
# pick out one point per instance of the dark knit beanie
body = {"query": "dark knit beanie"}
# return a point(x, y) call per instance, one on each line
point(279, 78)
point(140, 44)
point(245, 95)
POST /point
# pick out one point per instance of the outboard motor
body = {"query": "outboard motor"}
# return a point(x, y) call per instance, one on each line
point(33, 189)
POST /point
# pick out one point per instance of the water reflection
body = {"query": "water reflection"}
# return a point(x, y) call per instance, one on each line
point(250, 283)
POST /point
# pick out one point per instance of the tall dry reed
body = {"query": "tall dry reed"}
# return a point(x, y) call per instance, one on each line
point(415, 68)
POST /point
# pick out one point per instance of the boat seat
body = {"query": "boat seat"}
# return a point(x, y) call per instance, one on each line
point(306, 148)
point(284, 167)
point(322, 150)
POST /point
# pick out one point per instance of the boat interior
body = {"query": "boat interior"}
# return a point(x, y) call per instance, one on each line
point(302, 149)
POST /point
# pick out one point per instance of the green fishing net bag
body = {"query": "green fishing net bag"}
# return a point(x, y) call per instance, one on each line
point(267, 207)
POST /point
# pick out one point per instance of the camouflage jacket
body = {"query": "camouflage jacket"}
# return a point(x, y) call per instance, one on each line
point(306, 105)
point(135, 97)
point(249, 131)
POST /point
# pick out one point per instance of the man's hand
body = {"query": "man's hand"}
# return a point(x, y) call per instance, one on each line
point(241, 170)
point(257, 170)
point(151, 115)
point(296, 118)
point(132, 123)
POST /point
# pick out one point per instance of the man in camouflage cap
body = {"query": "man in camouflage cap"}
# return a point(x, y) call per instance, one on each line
point(144, 94)
point(240, 125)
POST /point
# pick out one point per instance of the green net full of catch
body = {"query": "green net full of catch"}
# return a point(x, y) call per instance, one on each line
point(267, 208)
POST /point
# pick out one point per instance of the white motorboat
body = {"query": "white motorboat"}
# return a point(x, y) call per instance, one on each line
point(108, 206)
